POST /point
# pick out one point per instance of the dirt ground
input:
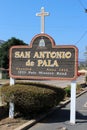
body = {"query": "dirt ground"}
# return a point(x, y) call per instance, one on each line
point(11, 124)
point(7, 123)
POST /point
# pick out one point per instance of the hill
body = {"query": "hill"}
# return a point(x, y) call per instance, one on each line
point(1, 42)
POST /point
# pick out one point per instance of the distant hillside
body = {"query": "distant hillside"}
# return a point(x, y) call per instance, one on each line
point(1, 42)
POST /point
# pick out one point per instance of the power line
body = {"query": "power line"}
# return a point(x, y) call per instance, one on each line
point(81, 37)
point(83, 6)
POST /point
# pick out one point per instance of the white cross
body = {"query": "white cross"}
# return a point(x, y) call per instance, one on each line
point(42, 15)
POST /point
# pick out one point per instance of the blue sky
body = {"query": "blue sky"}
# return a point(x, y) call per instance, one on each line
point(67, 23)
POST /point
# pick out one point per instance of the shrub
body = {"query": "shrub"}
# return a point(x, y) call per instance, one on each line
point(78, 88)
point(68, 90)
point(32, 98)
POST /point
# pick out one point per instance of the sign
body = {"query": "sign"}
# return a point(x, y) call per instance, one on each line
point(42, 59)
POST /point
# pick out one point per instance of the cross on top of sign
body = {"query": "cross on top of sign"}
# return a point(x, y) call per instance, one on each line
point(42, 15)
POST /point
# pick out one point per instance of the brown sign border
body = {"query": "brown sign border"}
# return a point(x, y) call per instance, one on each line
point(53, 46)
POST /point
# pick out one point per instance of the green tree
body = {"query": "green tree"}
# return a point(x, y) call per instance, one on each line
point(4, 51)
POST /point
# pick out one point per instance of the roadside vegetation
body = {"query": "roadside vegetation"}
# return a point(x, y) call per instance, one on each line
point(32, 98)
point(68, 90)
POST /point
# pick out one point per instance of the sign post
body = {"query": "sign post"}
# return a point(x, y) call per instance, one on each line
point(12, 81)
point(11, 110)
point(73, 102)
point(11, 104)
